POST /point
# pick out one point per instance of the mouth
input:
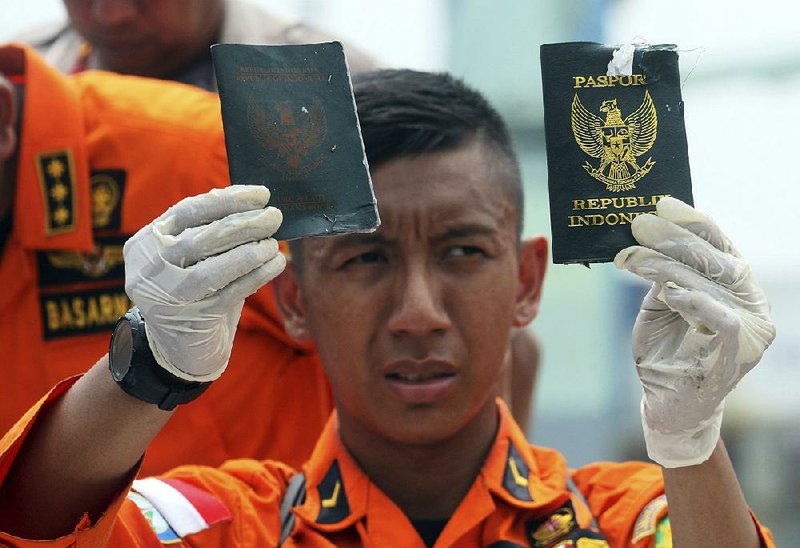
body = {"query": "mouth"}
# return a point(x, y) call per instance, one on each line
point(418, 377)
point(420, 382)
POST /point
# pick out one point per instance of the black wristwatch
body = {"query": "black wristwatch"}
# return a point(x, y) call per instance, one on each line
point(136, 371)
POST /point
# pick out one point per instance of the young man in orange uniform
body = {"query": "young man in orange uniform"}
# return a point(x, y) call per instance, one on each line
point(86, 162)
point(412, 324)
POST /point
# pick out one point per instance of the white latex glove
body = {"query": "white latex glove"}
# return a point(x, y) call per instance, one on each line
point(190, 270)
point(703, 325)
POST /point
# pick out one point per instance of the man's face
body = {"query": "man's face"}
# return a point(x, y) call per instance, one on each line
point(146, 37)
point(412, 322)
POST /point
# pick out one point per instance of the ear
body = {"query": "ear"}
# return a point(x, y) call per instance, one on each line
point(289, 300)
point(8, 117)
point(532, 267)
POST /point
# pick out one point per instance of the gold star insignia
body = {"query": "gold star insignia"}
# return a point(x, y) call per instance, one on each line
point(55, 168)
point(61, 215)
point(59, 192)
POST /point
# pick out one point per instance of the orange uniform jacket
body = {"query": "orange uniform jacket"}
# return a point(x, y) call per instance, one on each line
point(520, 498)
point(100, 156)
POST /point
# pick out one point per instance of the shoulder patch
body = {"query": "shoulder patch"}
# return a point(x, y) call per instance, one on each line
point(333, 505)
point(648, 518)
point(56, 172)
point(515, 475)
point(184, 508)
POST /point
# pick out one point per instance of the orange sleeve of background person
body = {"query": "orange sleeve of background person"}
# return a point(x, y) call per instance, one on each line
point(161, 142)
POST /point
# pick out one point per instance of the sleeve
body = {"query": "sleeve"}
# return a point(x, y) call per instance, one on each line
point(85, 531)
point(234, 505)
point(237, 504)
point(630, 506)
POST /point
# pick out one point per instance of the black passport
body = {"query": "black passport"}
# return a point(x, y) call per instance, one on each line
point(291, 125)
point(615, 145)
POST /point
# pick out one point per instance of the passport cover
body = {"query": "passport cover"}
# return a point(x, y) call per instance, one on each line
point(290, 124)
point(615, 145)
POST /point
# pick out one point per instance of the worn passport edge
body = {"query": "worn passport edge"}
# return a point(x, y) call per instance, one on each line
point(364, 160)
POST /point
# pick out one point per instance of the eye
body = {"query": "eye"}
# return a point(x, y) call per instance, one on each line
point(369, 257)
point(465, 251)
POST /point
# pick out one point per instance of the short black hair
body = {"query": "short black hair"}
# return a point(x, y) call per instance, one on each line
point(405, 112)
point(408, 112)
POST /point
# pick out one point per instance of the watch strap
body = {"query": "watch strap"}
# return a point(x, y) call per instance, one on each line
point(146, 380)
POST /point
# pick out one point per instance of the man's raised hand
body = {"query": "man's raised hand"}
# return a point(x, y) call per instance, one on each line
point(703, 325)
point(190, 270)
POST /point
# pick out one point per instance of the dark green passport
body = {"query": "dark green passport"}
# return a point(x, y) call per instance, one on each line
point(615, 145)
point(291, 125)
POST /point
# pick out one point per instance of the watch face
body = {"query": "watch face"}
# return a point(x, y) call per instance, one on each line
point(121, 350)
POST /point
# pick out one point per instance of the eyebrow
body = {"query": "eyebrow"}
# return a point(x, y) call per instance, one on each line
point(465, 231)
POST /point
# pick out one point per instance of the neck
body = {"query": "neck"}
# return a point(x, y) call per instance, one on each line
point(427, 481)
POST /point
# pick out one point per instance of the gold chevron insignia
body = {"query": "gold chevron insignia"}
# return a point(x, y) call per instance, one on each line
point(519, 479)
point(616, 142)
point(333, 500)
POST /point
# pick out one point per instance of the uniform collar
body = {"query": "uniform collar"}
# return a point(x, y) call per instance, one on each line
point(337, 488)
point(339, 494)
point(52, 207)
point(514, 471)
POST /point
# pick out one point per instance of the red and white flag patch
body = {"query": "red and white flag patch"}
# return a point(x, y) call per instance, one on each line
point(186, 508)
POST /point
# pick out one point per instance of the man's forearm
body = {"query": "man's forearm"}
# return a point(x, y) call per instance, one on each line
point(706, 504)
point(81, 451)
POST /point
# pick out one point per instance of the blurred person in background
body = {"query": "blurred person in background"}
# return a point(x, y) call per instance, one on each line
point(166, 39)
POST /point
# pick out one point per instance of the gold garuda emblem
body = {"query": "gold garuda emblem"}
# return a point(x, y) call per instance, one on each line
point(290, 136)
point(616, 142)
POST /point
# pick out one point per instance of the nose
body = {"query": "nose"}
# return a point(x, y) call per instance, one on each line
point(418, 307)
point(110, 12)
